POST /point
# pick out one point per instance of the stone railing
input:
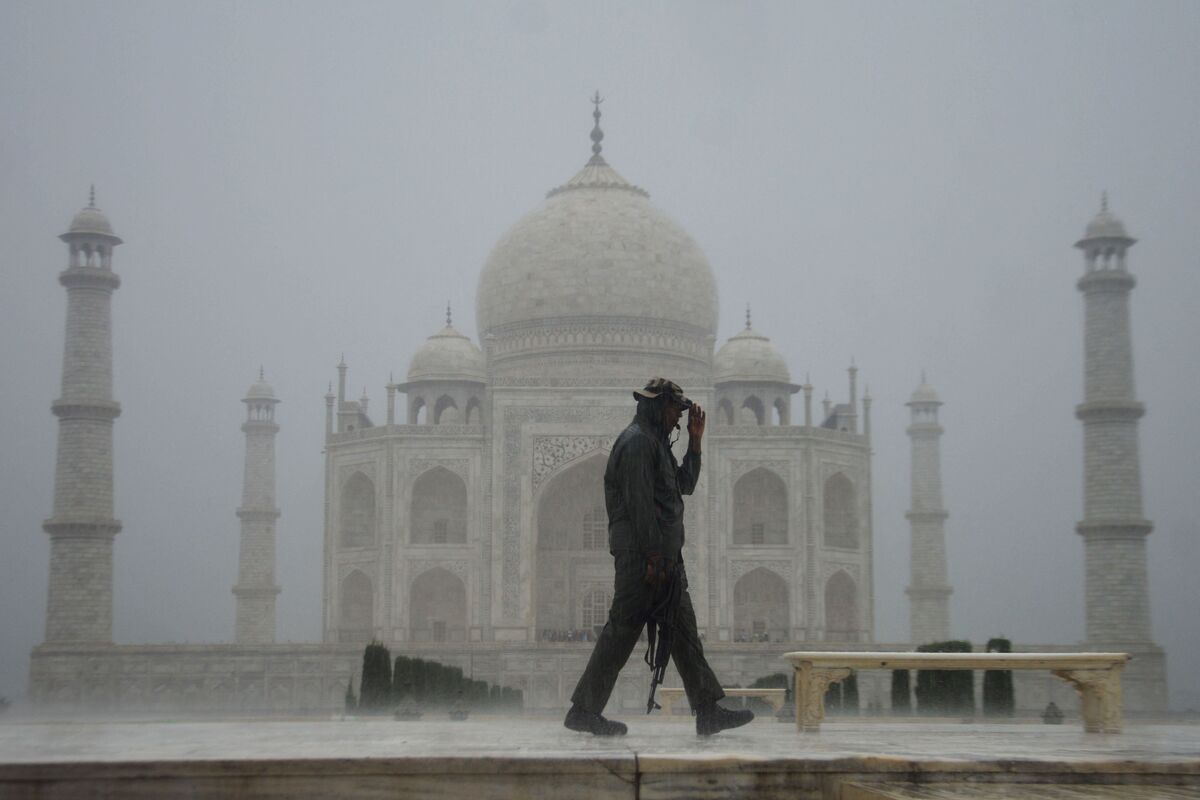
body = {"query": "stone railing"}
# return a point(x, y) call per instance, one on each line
point(1096, 676)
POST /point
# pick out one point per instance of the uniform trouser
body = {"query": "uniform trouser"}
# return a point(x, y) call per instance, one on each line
point(633, 598)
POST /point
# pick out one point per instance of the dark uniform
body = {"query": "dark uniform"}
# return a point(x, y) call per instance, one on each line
point(643, 492)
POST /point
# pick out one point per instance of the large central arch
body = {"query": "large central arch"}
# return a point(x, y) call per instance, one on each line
point(760, 607)
point(438, 607)
point(571, 553)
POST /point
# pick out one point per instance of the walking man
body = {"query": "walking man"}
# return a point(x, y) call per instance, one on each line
point(643, 493)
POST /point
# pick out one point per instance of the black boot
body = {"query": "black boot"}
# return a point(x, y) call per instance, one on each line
point(712, 718)
point(584, 721)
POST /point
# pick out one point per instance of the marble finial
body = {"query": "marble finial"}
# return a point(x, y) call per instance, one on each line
point(1104, 202)
point(448, 317)
point(92, 196)
point(747, 316)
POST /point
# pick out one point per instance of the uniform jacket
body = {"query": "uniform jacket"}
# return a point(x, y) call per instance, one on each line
point(643, 490)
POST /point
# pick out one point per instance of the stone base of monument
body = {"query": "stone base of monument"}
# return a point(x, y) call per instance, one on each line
point(485, 758)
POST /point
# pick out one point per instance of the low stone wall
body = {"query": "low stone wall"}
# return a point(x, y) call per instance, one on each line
point(312, 678)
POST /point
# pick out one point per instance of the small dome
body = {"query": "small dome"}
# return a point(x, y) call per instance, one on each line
point(1107, 225)
point(91, 220)
point(448, 356)
point(924, 394)
point(750, 356)
point(260, 389)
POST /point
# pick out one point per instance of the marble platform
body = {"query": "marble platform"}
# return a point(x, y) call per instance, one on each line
point(534, 757)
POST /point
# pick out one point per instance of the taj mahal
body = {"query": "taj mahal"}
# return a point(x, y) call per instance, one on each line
point(465, 522)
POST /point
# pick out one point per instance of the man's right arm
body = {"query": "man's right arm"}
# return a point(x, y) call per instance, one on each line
point(638, 470)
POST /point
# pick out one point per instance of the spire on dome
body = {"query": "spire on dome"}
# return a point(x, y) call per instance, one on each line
point(448, 317)
point(260, 372)
point(747, 316)
point(1104, 202)
point(597, 134)
point(92, 196)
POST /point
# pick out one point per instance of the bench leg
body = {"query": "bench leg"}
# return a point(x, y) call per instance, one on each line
point(811, 685)
point(1099, 697)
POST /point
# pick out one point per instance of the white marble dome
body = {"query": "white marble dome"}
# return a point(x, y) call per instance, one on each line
point(1106, 225)
point(260, 390)
point(596, 248)
point(91, 220)
point(447, 356)
point(750, 357)
point(924, 394)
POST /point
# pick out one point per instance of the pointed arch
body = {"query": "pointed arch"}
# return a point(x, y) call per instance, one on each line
point(841, 608)
point(357, 512)
point(841, 517)
point(751, 412)
point(782, 411)
point(445, 411)
point(438, 607)
point(356, 608)
point(572, 538)
point(473, 412)
point(760, 607)
point(417, 412)
point(760, 508)
point(439, 508)
point(725, 412)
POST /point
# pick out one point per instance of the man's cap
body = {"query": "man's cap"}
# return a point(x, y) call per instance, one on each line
point(657, 387)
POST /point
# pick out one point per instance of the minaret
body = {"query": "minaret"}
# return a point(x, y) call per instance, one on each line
point(928, 592)
point(256, 589)
point(79, 604)
point(1113, 528)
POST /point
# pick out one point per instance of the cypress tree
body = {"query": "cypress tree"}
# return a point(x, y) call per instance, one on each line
point(901, 695)
point(850, 694)
point(376, 692)
point(945, 691)
point(351, 702)
point(998, 697)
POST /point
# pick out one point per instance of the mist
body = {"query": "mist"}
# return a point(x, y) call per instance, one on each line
point(897, 185)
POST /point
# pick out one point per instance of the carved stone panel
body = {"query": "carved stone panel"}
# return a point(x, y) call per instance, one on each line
point(550, 452)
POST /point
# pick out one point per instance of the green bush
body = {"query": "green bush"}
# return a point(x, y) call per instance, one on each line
point(350, 701)
point(998, 697)
point(945, 692)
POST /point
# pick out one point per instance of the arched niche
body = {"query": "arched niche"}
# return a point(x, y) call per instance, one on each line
point(356, 606)
point(438, 607)
point(439, 508)
point(841, 518)
point(841, 608)
point(760, 515)
point(357, 517)
point(417, 412)
point(760, 607)
point(572, 533)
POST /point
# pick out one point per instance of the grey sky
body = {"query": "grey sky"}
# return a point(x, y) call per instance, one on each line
point(900, 183)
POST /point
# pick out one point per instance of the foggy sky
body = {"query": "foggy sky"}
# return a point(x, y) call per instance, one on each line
point(900, 183)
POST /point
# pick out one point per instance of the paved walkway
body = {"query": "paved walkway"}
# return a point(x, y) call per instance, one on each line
point(33, 741)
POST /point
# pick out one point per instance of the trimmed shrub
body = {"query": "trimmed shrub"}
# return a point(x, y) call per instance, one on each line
point(998, 697)
point(351, 702)
point(946, 692)
point(901, 693)
point(376, 692)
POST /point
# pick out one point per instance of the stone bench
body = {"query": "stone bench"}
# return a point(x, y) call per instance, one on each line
point(1096, 676)
point(668, 695)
